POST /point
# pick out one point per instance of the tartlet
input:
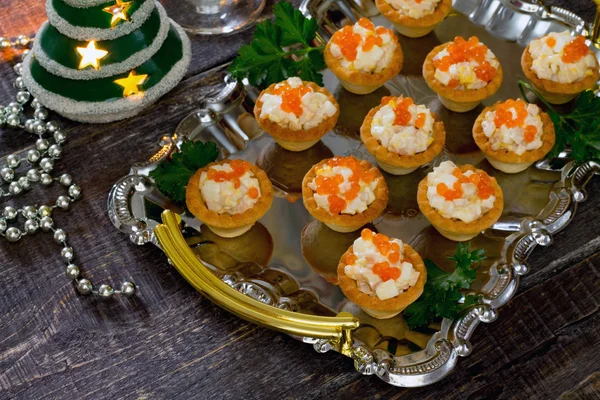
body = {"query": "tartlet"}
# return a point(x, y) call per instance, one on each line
point(383, 288)
point(460, 223)
point(421, 22)
point(296, 113)
point(521, 139)
point(462, 89)
point(413, 138)
point(566, 67)
point(211, 196)
point(363, 198)
point(363, 56)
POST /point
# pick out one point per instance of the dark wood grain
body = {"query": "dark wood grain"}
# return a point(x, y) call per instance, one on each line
point(169, 342)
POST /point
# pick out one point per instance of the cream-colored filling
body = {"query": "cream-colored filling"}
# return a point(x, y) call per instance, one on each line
point(513, 139)
point(224, 197)
point(414, 8)
point(464, 72)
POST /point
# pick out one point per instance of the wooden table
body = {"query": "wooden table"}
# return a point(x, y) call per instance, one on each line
point(169, 342)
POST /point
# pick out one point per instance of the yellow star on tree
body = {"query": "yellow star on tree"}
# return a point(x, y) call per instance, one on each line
point(131, 83)
point(90, 55)
point(118, 12)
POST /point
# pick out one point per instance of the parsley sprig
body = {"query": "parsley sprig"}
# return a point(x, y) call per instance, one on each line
point(441, 295)
point(580, 129)
point(172, 176)
point(281, 49)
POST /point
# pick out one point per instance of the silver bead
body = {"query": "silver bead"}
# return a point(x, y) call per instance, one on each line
point(3, 225)
point(41, 144)
point(35, 103)
point(72, 271)
point(127, 289)
point(19, 84)
point(38, 127)
point(67, 253)
point(55, 151)
point(74, 192)
point(22, 40)
point(44, 211)
point(7, 174)
point(84, 286)
point(47, 164)
point(29, 125)
point(23, 97)
point(65, 179)
point(13, 161)
point(52, 126)
point(13, 108)
point(18, 68)
point(24, 182)
point(9, 213)
point(40, 114)
point(105, 291)
point(46, 223)
point(12, 234)
point(31, 226)
point(33, 175)
point(29, 212)
point(24, 53)
point(60, 236)
point(63, 202)
point(46, 179)
point(60, 137)
point(33, 156)
point(15, 188)
point(13, 120)
point(4, 43)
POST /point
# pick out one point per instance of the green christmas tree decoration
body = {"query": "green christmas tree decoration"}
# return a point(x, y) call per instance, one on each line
point(105, 60)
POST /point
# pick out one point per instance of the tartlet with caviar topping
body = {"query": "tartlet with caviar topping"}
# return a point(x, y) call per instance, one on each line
point(460, 201)
point(381, 275)
point(296, 113)
point(363, 56)
point(229, 196)
point(513, 135)
point(414, 18)
point(462, 73)
point(402, 135)
point(560, 66)
point(344, 193)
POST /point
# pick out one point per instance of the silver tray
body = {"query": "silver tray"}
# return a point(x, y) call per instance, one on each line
point(271, 262)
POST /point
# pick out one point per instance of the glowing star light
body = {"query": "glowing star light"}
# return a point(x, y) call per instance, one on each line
point(118, 12)
point(90, 55)
point(131, 83)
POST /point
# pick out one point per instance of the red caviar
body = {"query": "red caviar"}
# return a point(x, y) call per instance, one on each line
point(366, 234)
point(575, 50)
point(239, 167)
point(291, 98)
point(385, 271)
point(350, 41)
point(420, 120)
point(504, 115)
point(403, 116)
point(386, 248)
point(479, 179)
point(550, 41)
point(253, 193)
point(461, 50)
point(366, 23)
point(529, 133)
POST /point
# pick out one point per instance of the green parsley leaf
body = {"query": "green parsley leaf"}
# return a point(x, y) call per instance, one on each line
point(579, 129)
point(280, 49)
point(172, 176)
point(441, 295)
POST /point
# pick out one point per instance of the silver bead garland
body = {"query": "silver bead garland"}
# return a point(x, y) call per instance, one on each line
point(42, 160)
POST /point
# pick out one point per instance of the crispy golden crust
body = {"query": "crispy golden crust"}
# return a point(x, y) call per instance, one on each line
point(459, 96)
point(579, 86)
point(302, 135)
point(365, 78)
point(441, 11)
point(398, 303)
point(505, 156)
point(374, 210)
point(196, 205)
point(383, 154)
point(454, 225)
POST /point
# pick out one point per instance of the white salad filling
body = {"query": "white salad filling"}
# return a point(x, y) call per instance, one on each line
point(414, 8)
point(513, 139)
point(224, 197)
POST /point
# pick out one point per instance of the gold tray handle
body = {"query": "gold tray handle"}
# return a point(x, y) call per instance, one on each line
point(336, 329)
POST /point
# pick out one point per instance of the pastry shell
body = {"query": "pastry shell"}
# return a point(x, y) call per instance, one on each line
point(228, 225)
point(302, 139)
point(508, 157)
point(372, 305)
point(360, 82)
point(470, 97)
point(556, 92)
point(387, 159)
point(414, 27)
point(346, 222)
point(455, 229)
